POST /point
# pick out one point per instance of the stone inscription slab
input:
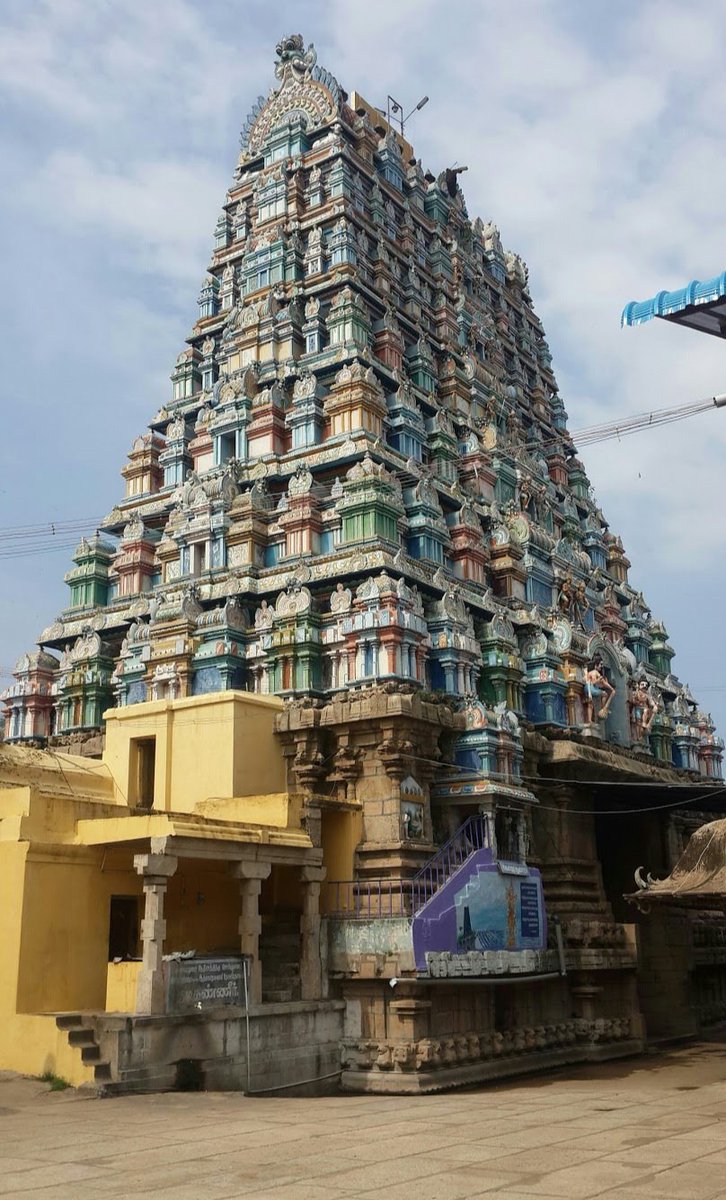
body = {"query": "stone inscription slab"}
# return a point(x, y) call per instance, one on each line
point(197, 984)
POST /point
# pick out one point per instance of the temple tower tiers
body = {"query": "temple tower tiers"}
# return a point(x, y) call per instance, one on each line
point(363, 473)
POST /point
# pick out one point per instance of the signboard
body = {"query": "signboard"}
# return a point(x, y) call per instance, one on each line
point(512, 868)
point(199, 984)
point(529, 911)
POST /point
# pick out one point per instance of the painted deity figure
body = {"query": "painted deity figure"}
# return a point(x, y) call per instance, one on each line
point(580, 602)
point(264, 616)
point(566, 595)
point(525, 495)
point(598, 690)
point(643, 709)
point(155, 604)
point(511, 918)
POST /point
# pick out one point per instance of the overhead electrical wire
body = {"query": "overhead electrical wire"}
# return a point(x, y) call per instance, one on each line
point(643, 421)
point(31, 551)
point(592, 435)
point(21, 541)
point(52, 527)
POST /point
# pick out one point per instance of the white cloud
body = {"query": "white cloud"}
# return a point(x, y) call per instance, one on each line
point(162, 212)
point(101, 64)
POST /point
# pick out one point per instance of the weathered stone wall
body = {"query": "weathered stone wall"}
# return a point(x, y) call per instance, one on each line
point(289, 1043)
point(682, 971)
point(371, 948)
point(413, 1037)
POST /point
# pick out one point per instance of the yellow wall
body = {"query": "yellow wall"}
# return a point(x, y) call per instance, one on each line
point(341, 833)
point(65, 926)
point(121, 980)
point(281, 810)
point(35, 1045)
point(203, 908)
point(210, 747)
point(29, 1043)
point(12, 883)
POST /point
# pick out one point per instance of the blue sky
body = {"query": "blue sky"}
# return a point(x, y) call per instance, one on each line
point(593, 135)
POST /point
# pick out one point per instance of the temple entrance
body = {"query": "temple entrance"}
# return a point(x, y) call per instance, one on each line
point(625, 842)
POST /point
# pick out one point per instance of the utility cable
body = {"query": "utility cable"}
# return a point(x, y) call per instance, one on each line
point(498, 776)
point(594, 434)
point(51, 526)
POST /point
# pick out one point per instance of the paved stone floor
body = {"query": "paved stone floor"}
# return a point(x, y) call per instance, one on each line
point(645, 1129)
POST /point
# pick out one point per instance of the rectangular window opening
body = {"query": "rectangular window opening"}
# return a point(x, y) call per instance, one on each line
point(123, 928)
point(143, 772)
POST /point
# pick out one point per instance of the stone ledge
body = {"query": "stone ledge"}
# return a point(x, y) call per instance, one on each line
point(281, 1008)
point(404, 1083)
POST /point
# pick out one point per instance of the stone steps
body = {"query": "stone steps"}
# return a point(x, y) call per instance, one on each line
point(81, 1037)
point(81, 1034)
point(280, 948)
point(280, 941)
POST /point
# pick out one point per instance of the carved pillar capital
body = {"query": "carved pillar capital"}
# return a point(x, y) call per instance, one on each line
point(251, 870)
point(155, 866)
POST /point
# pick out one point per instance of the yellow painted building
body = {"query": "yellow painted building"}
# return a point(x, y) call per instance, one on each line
point(182, 838)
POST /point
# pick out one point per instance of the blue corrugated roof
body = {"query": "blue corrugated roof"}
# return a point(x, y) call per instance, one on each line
point(665, 304)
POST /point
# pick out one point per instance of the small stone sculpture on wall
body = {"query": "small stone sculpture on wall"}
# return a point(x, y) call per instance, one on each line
point(598, 690)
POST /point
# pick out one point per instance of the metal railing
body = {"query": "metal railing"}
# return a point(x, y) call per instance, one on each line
point(368, 899)
point(473, 835)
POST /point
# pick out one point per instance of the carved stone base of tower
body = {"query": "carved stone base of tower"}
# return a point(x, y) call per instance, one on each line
point(408, 834)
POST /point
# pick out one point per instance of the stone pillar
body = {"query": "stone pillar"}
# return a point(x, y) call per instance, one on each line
point(311, 983)
point(564, 840)
point(250, 877)
point(409, 1016)
point(156, 870)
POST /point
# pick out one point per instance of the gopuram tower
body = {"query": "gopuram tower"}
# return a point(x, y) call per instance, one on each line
point(361, 494)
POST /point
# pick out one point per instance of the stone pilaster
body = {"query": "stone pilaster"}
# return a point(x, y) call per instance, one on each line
point(156, 870)
point(564, 845)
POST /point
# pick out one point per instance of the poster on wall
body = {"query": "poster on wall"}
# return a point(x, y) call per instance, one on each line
point(498, 912)
point(485, 908)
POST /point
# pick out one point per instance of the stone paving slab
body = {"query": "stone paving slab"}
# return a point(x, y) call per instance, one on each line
point(652, 1128)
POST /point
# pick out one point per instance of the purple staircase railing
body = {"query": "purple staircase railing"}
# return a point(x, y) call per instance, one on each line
point(471, 836)
point(368, 899)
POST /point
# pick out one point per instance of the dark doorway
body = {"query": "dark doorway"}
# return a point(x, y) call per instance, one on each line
point(123, 927)
point(625, 842)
